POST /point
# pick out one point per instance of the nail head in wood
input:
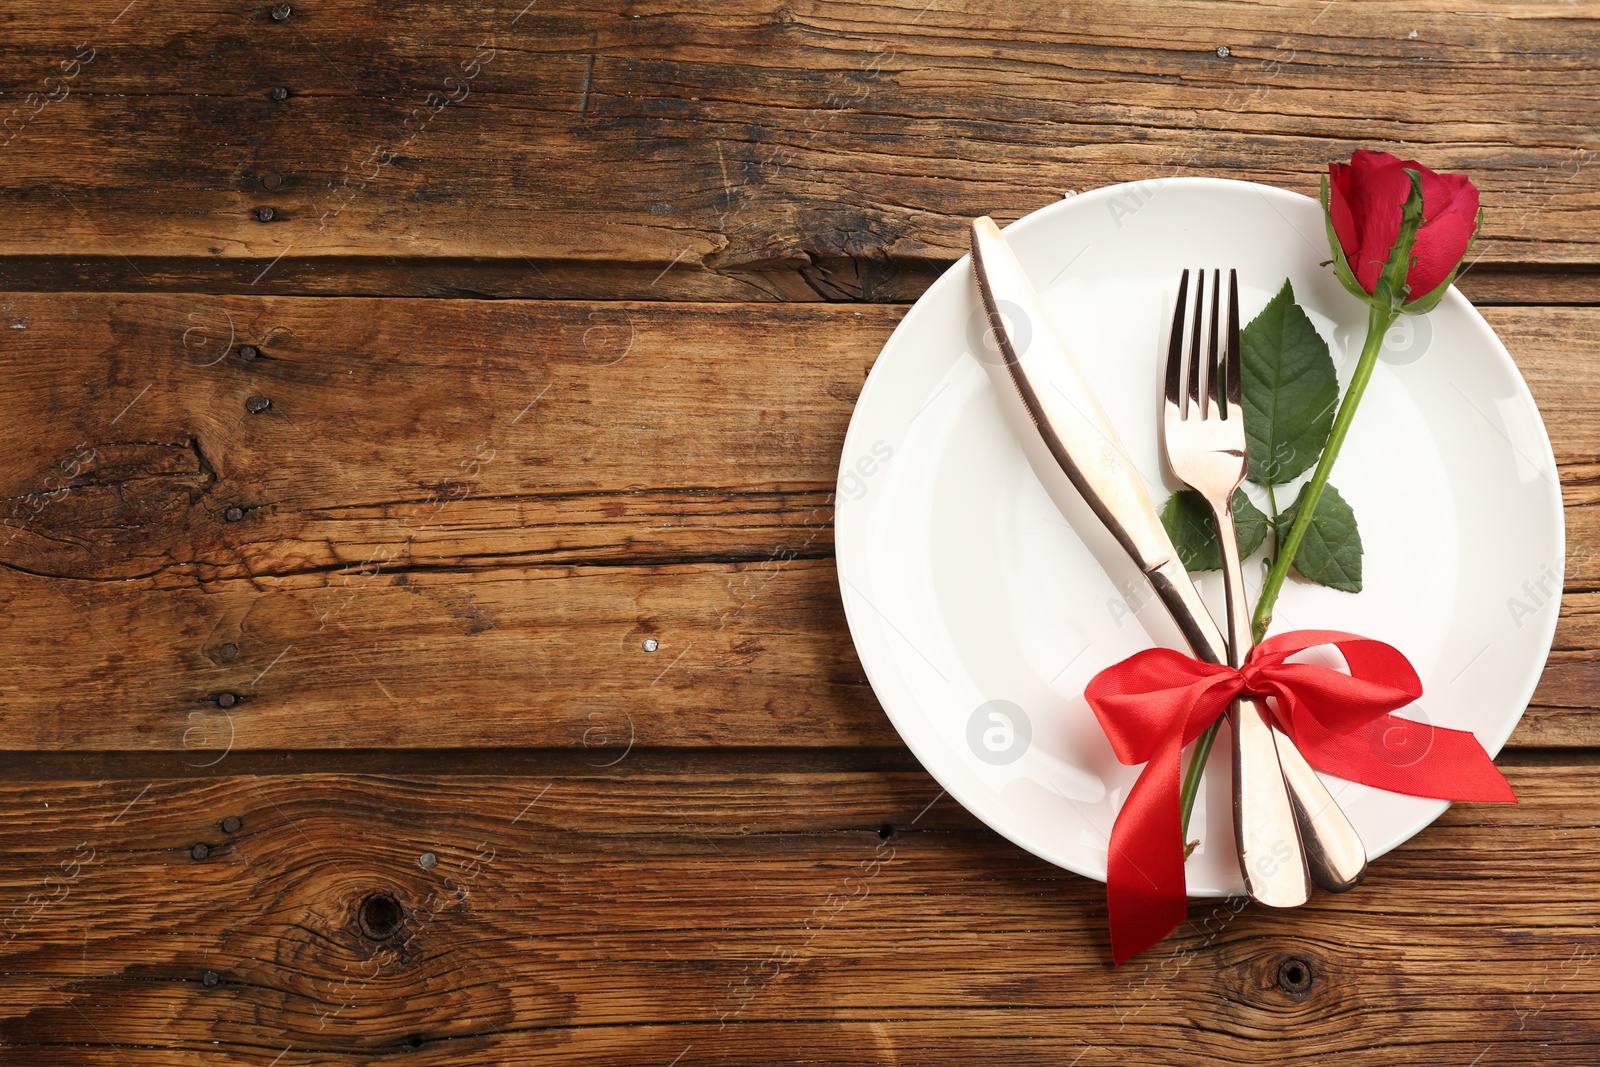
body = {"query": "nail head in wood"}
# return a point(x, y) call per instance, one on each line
point(265, 213)
point(233, 514)
point(278, 93)
point(200, 851)
point(232, 824)
point(226, 700)
point(281, 12)
point(228, 652)
point(249, 352)
point(257, 404)
point(210, 979)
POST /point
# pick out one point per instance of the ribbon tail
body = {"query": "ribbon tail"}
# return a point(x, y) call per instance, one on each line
point(1145, 889)
point(1404, 756)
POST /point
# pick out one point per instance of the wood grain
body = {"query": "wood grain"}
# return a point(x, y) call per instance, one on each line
point(583, 432)
point(634, 918)
point(822, 280)
point(490, 506)
point(637, 261)
point(719, 136)
point(470, 433)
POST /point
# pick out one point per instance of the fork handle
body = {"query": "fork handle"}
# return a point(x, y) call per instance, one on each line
point(1334, 851)
point(1271, 853)
point(1240, 636)
point(1335, 855)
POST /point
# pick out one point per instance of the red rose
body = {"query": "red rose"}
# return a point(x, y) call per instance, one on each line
point(1365, 197)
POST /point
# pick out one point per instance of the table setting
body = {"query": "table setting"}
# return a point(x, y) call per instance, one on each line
point(902, 533)
point(974, 575)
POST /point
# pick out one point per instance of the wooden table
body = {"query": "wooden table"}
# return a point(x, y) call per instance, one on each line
point(422, 640)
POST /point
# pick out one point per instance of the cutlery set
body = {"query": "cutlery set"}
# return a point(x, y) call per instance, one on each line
point(1289, 831)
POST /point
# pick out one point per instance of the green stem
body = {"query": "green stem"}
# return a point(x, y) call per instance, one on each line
point(1379, 319)
point(1191, 777)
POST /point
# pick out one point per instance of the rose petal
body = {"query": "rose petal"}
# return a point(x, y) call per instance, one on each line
point(1344, 222)
point(1379, 187)
point(1439, 248)
point(1450, 214)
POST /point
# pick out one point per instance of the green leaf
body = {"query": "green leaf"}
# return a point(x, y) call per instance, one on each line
point(1290, 391)
point(1189, 523)
point(1331, 552)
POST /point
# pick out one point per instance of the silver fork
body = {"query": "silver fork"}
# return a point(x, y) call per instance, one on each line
point(1203, 436)
point(1335, 854)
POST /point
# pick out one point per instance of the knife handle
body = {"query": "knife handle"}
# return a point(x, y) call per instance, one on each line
point(1334, 851)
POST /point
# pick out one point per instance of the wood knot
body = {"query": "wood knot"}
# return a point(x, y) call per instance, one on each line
point(1296, 976)
point(112, 511)
point(380, 916)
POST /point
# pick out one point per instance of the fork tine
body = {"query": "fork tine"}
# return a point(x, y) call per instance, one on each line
point(1194, 408)
point(1174, 390)
point(1235, 392)
point(1212, 406)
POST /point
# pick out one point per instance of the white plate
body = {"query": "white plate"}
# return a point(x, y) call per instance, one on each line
point(979, 615)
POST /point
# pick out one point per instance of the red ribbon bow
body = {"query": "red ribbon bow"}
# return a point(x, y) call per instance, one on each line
point(1155, 702)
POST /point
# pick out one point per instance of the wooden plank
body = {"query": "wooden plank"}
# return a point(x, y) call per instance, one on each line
point(716, 136)
point(716, 919)
point(817, 280)
point(518, 656)
point(1564, 705)
point(445, 430)
point(506, 432)
point(527, 657)
point(424, 475)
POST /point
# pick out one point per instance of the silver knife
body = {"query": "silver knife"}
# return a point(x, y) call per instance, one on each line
point(1046, 398)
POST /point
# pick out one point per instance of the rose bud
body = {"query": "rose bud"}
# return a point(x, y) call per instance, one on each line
point(1364, 201)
